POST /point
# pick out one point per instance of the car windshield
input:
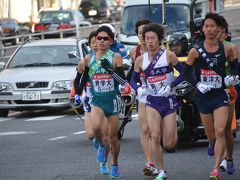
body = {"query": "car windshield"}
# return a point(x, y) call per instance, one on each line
point(177, 17)
point(56, 17)
point(44, 56)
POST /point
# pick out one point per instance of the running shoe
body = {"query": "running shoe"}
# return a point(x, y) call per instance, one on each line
point(162, 175)
point(211, 149)
point(230, 167)
point(150, 170)
point(95, 143)
point(214, 175)
point(223, 165)
point(114, 172)
point(100, 157)
point(103, 168)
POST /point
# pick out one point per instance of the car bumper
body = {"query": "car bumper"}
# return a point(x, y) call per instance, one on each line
point(48, 100)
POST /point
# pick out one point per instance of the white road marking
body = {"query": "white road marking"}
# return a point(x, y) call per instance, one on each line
point(57, 138)
point(5, 119)
point(80, 132)
point(17, 133)
point(45, 118)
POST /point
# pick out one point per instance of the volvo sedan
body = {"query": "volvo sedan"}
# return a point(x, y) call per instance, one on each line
point(39, 75)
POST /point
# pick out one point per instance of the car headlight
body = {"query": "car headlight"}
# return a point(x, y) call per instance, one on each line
point(66, 85)
point(5, 86)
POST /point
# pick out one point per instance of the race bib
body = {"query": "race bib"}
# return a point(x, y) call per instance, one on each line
point(103, 83)
point(155, 83)
point(210, 77)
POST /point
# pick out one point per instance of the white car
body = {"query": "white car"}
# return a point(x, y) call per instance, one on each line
point(39, 75)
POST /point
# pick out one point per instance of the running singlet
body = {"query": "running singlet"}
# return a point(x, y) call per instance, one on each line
point(160, 76)
point(210, 67)
point(102, 82)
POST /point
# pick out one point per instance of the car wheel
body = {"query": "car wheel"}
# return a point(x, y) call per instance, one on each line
point(4, 113)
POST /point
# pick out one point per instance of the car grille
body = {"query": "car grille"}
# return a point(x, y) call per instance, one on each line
point(22, 85)
point(32, 102)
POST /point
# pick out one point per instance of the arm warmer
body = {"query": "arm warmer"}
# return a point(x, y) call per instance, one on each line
point(234, 67)
point(83, 81)
point(119, 76)
point(179, 68)
point(134, 79)
point(188, 75)
point(77, 80)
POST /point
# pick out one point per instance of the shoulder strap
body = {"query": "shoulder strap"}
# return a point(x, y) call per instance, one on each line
point(153, 62)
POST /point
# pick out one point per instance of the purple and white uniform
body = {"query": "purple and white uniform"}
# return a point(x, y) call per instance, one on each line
point(159, 75)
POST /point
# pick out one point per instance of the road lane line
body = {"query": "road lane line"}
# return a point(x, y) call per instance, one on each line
point(80, 132)
point(45, 118)
point(5, 119)
point(10, 133)
point(57, 138)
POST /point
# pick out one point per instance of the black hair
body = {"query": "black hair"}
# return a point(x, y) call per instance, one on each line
point(224, 24)
point(107, 30)
point(154, 27)
point(140, 23)
point(214, 17)
point(91, 35)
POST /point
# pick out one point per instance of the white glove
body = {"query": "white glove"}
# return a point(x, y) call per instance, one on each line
point(165, 91)
point(231, 80)
point(203, 88)
point(141, 92)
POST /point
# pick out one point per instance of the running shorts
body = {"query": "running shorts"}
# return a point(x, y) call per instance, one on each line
point(110, 105)
point(164, 105)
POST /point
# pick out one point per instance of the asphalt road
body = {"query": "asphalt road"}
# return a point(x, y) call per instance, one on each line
point(42, 145)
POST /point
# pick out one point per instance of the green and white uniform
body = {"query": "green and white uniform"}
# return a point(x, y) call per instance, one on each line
point(104, 88)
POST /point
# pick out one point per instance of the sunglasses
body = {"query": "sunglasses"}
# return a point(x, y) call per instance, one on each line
point(103, 38)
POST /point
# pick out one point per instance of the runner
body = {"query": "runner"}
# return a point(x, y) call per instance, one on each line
point(157, 65)
point(145, 138)
point(101, 68)
point(87, 99)
point(209, 58)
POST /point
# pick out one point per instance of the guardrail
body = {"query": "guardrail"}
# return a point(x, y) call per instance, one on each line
point(79, 32)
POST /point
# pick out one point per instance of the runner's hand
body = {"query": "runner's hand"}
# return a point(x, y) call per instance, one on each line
point(231, 80)
point(77, 100)
point(203, 88)
point(165, 91)
point(141, 92)
point(107, 66)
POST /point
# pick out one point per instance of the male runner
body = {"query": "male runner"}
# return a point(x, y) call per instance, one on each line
point(157, 65)
point(209, 58)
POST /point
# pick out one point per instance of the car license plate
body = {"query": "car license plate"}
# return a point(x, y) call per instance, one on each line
point(31, 96)
point(92, 12)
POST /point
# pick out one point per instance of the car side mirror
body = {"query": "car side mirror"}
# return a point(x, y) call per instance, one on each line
point(2, 65)
point(73, 54)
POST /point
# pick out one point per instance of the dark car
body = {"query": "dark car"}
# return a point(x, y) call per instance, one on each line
point(53, 20)
point(96, 11)
point(12, 28)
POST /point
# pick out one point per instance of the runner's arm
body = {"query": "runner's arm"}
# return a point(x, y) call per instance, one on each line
point(84, 78)
point(188, 67)
point(173, 60)
point(136, 74)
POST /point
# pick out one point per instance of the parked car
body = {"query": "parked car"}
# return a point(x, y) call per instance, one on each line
point(39, 75)
point(13, 28)
point(96, 11)
point(53, 20)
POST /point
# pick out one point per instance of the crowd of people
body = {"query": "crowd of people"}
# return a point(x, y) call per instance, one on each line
point(212, 66)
